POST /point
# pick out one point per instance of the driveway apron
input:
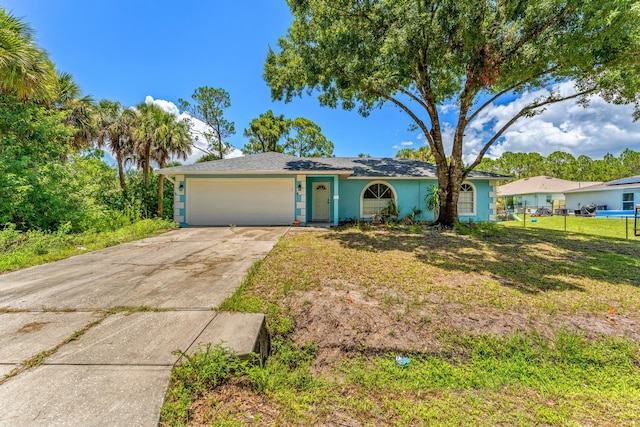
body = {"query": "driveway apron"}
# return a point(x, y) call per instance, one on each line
point(91, 340)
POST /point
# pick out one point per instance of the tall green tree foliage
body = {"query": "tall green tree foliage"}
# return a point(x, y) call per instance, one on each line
point(419, 55)
point(301, 137)
point(80, 110)
point(147, 135)
point(307, 140)
point(209, 105)
point(114, 129)
point(265, 132)
point(564, 166)
point(25, 70)
point(422, 154)
point(44, 123)
point(33, 145)
point(174, 142)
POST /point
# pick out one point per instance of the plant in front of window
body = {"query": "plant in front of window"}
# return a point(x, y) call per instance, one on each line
point(390, 213)
point(412, 216)
point(387, 214)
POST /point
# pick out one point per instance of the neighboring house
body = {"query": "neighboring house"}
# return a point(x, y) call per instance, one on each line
point(539, 192)
point(619, 195)
point(277, 189)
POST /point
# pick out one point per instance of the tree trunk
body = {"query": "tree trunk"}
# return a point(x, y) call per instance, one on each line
point(145, 179)
point(123, 185)
point(160, 195)
point(448, 214)
point(161, 191)
point(449, 182)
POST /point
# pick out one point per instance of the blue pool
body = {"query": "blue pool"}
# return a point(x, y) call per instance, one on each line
point(614, 214)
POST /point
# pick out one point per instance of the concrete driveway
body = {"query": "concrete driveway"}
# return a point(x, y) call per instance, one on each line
point(107, 324)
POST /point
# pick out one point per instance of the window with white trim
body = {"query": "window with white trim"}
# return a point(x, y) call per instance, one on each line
point(375, 198)
point(627, 201)
point(466, 200)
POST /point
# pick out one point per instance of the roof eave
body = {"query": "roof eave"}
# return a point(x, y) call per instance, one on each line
point(168, 172)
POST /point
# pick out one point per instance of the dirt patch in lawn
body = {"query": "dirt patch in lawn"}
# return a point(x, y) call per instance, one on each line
point(346, 321)
point(387, 291)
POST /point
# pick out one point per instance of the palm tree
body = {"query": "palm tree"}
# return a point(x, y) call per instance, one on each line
point(114, 127)
point(25, 70)
point(79, 109)
point(175, 141)
point(147, 134)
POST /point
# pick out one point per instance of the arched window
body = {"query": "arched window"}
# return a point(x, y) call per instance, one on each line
point(467, 200)
point(375, 198)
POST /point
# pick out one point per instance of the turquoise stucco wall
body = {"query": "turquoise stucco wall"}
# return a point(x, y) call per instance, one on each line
point(410, 193)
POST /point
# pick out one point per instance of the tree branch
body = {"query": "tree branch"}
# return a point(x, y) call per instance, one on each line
point(537, 31)
point(522, 112)
point(509, 89)
point(407, 110)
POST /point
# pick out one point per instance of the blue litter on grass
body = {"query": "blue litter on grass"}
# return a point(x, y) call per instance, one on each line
point(534, 220)
point(402, 361)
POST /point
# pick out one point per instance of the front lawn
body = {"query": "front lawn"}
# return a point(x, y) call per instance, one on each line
point(500, 326)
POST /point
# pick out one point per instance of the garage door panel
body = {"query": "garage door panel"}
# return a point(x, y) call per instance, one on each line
point(240, 201)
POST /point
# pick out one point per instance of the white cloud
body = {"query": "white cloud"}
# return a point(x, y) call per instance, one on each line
point(198, 128)
point(167, 106)
point(566, 126)
point(447, 108)
point(403, 144)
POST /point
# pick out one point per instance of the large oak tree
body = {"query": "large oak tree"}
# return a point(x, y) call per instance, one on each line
point(422, 54)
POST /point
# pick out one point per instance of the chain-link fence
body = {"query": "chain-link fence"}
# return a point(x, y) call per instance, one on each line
point(619, 224)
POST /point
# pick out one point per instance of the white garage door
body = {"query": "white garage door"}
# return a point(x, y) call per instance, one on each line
point(240, 201)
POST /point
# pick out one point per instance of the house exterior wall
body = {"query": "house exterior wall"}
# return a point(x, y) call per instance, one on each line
point(346, 194)
point(410, 193)
point(537, 200)
point(485, 200)
point(179, 200)
point(611, 198)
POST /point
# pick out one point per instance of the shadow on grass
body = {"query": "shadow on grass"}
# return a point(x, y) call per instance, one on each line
point(530, 261)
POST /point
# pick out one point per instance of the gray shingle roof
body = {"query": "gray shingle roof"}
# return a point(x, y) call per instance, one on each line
point(630, 182)
point(356, 167)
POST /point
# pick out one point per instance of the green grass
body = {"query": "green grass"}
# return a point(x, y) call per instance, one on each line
point(20, 250)
point(416, 283)
point(603, 227)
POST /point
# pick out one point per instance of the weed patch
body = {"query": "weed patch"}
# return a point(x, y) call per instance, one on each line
point(25, 249)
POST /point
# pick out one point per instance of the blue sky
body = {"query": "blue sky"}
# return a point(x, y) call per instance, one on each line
point(128, 50)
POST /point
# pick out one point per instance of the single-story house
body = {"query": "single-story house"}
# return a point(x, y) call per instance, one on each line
point(539, 192)
point(619, 195)
point(277, 189)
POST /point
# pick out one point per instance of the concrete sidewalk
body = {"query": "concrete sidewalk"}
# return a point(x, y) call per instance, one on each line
point(109, 367)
